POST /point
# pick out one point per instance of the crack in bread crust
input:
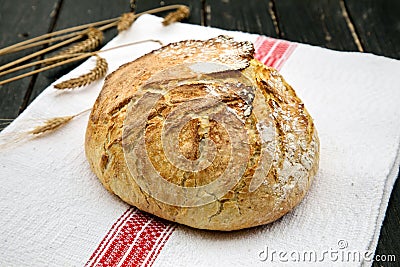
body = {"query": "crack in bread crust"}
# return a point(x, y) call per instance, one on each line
point(294, 155)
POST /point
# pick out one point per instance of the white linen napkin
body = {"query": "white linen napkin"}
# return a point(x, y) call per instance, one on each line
point(54, 211)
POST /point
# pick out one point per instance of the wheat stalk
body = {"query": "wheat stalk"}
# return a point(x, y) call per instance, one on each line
point(181, 13)
point(94, 39)
point(125, 21)
point(51, 124)
point(107, 24)
point(43, 42)
point(15, 62)
point(9, 139)
point(37, 40)
point(67, 59)
point(99, 71)
point(76, 58)
point(46, 61)
point(54, 123)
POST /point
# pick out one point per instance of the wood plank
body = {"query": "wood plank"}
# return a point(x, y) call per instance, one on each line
point(389, 242)
point(19, 21)
point(253, 17)
point(194, 5)
point(314, 22)
point(377, 24)
point(82, 12)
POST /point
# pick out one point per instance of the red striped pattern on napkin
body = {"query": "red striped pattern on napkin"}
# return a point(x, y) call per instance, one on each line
point(135, 239)
point(273, 52)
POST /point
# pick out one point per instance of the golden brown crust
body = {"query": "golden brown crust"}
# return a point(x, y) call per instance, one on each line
point(293, 155)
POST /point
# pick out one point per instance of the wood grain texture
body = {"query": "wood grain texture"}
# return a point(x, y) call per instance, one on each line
point(82, 12)
point(377, 24)
point(251, 17)
point(314, 22)
point(21, 20)
point(389, 243)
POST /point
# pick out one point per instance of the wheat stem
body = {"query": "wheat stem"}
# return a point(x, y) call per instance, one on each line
point(54, 39)
point(109, 23)
point(51, 40)
point(76, 58)
point(9, 49)
point(160, 9)
point(129, 44)
point(43, 61)
point(75, 38)
point(107, 26)
point(40, 52)
point(45, 68)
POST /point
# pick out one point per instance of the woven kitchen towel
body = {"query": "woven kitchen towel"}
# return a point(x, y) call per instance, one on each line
point(54, 211)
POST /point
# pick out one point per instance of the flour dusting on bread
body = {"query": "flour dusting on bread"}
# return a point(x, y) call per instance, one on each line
point(209, 112)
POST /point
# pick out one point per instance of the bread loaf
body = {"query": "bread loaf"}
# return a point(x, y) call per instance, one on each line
point(201, 133)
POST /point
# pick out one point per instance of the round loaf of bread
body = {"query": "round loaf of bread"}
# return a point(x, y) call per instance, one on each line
point(201, 133)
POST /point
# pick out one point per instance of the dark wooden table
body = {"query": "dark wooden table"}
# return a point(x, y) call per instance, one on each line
point(352, 25)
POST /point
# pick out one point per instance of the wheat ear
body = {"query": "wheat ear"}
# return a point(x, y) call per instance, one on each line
point(93, 40)
point(50, 125)
point(7, 140)
point(125, 21)
point(99, 71)
point(54, 123)
point(181, 13)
